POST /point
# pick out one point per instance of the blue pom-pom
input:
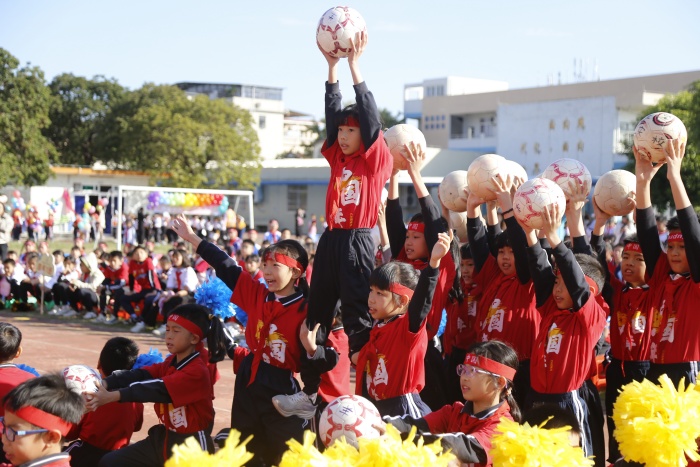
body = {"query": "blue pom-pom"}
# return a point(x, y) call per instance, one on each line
point(241, 316)
point(443, 323)
point(27, 368)
point(151, 358)
point(216, 296)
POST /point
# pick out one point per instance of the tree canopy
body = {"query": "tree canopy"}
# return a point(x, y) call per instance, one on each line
point(686, 106)
point(24, 113)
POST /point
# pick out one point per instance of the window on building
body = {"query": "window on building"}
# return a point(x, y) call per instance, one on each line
point(261, 122)
point(296, 197)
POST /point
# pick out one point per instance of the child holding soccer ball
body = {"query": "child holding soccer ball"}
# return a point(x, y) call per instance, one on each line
point(360, 166)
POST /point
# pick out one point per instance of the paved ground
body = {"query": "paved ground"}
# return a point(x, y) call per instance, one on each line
point(51, 344)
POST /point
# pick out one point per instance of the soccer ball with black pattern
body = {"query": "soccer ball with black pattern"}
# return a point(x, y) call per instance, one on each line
point(336, 28)
point(654, 130)
point(351, 417)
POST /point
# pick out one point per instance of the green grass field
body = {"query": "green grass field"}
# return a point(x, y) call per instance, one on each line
point(65, 242)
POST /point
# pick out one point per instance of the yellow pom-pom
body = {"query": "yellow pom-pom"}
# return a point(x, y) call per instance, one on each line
point(658, 425)
point(516, 445)
point(190, 454)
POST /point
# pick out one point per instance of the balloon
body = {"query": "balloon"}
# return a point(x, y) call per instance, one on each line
point(17, 194)
point(91, 210)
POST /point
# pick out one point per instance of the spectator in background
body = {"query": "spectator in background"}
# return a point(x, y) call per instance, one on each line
point(140, 229)
point(6, 225)
point(273, 234)
point(299, 222)
point(661, 227)
point(624, 229)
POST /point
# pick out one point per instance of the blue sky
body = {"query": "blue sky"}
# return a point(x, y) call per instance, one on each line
point(272, 43)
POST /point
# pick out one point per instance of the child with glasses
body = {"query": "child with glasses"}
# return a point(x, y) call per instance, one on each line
point(486, 381)
point(39, 413)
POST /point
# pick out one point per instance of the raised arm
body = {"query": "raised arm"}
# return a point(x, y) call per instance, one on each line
point(422, 301)
point(370, 122)
point(478, 244)
point(647, 232)
point(516, 236)
point(395, 227)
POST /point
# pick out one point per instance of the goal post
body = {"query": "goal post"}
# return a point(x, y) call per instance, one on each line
point(190, 201)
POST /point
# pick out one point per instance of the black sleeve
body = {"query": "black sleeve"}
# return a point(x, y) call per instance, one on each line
point(648, 236)
point(465, 447)
point(492, 232)
point(572, 275)
point(434, 223)
point(395, 228)
point(131, 282)
point(541, 272)
point(581, 245)
point(333, 107)
point(518, 242)
point(153, 390)
point(327, 355)
point(116, 285)
point(226, 267)
point(422, 300)
point(406, 422)
point(478, 245)
point(123, 378)
point(690, 228)
point(370, 123)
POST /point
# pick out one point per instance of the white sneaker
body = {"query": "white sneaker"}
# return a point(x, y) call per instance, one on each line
point(160, 331)
point(54, 312)
point(90, 315)
point(70, 313)
point(100, 319)
point(138, 327)
point(299, 404)
point(109, 319)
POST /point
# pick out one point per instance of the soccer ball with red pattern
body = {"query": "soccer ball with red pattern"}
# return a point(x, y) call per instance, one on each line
point(613, 191)
point(564, 170)
point(399, 135)
point(531, 199)
point(654, 130)
point(351, 417)
point(82, 378)
point(336, 28)
point(481, 171)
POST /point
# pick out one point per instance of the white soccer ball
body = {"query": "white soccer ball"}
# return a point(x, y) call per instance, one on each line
point(337, 27)
point(401, 134)
point(351, 417)
point(533, 197)
point(613, 191)
point(451, 191)
point(459, 224)
point(480, 172)
point(82, 378)
point(654, 130)
point(563, 170)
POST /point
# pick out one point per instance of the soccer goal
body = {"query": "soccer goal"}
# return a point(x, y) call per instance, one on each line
point(190, 201)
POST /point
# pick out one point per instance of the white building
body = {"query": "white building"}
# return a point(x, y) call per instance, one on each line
point(588, 121)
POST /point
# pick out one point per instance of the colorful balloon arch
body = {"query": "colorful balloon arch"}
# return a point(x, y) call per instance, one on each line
point(158, 199)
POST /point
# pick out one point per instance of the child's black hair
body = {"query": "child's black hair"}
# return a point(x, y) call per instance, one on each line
point(456, 294)
point(631, 239)
point(465, 252)
point(116, 254)
point(48, 393)
point(294, 250)
point(349, 111)
point(552, 416)
point(252, 257)
point(592, 268)
point(185, 257)
point(165, 259)
point(58, 253)
point(209, 324)
point(11, 252)
point(31, 256)
point(504, 354)
point(118, 353)
point(674, 224)
point(10, 340)
point(137, 247)
point(394, 272)
point(9, 261)
point(247, 240)
point(502, 240)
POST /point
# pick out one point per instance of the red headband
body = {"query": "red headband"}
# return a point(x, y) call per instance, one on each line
point(592, 283)
point(187, 324)
point(43, 419)
point(350, 121)
point(417, 226)
point(489, 365)
point(284, 259)
point(399, 289)
point(675, 237)
point(633, 247)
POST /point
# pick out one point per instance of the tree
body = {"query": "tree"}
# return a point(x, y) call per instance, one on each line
point(686, 106)
point(78, 108)
point(389, 120)
point(181, 141)
point(24, 107)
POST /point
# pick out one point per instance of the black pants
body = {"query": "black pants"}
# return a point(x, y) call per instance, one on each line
point(616, 376)
point(26, 288)
point(596, 420)
point(148, 296)
point(150, 451)
point(86, 297)
point(343, 264)
point(3, 251)
point(521, 383)
point(84, 454)
point(434, 393)
point(117, 294)
point(675, 371)
point(61, 293)
point(252, 412)
point(407, 404)
point(150, 313)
